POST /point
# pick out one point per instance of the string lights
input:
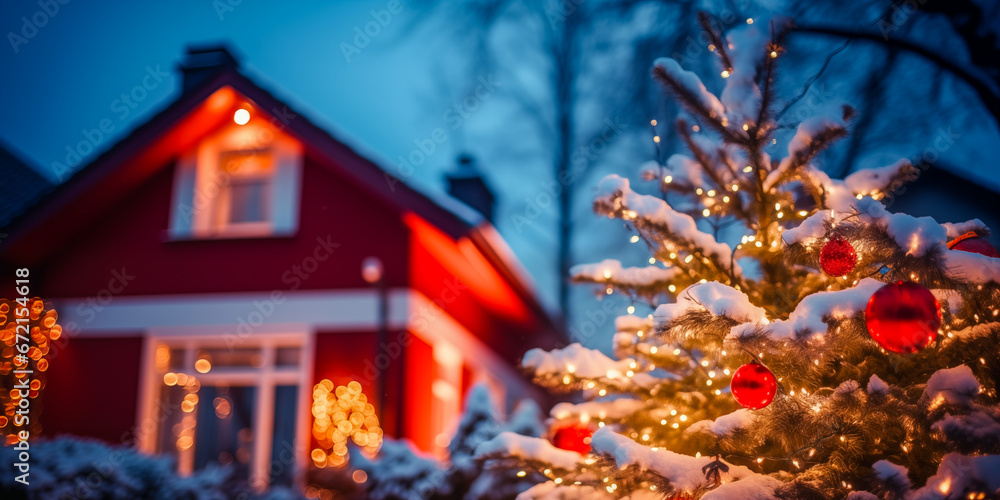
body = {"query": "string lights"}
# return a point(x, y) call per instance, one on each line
point(729, 180)
point(340, 414)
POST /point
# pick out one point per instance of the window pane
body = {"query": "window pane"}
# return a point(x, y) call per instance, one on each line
point(176, 359)
point(246, 162)
point(224, 432)
point(173, 425)
point(287, 356)
point(283, 445)
point(236, 357)
point(247, 201)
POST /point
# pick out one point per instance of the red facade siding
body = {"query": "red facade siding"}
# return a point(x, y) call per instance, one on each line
point(470, 294)
point(92, 389)
point(346, 356)
point(418, 399)
point(130, 237)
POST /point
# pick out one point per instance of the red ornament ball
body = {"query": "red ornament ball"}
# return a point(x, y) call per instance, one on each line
point(573, 437)
point(903, 317)
point(837, 258)
point(972, 242)
point(754, 386)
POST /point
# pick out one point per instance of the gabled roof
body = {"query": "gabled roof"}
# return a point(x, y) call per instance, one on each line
point(22, 185)
point(150, 146)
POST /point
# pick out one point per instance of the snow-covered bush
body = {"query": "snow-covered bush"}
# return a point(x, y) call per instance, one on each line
point(399, 472)
point(75, 468)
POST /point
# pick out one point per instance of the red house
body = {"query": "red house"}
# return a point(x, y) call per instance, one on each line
point(207, 273)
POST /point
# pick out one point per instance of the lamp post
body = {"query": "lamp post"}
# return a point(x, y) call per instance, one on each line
point(373, 273)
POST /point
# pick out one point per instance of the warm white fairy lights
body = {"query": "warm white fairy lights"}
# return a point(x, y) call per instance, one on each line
point(341, 414)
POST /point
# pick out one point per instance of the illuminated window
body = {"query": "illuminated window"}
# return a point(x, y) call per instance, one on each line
point(245, 197)
point(231, 405)
point(240, 181)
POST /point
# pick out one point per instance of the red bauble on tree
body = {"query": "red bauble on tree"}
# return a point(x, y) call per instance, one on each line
point(573, 437)
point(754, 386)
point(837, 258)
point(903, 317)
point(972, 242)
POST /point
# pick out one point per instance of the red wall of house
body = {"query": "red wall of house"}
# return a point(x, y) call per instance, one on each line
point(475, 296)
point(131, 237)
point(92, 386)
point(407, 365)
point(346, 356)
point(420, 375)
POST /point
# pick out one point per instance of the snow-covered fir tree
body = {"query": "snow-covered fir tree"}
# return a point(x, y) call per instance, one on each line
point(862, 344)
point(399, 472)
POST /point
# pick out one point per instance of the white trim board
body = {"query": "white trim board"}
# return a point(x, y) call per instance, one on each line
point(323, 310)
point(298, 311)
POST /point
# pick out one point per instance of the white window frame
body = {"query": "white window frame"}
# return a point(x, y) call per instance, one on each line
point(199, 182)
point(265, 378)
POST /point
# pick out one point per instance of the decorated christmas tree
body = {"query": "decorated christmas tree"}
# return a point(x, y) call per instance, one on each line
point(805, 342)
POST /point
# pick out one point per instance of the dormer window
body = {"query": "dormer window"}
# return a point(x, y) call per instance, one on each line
point(242, 181)
point(246, 198)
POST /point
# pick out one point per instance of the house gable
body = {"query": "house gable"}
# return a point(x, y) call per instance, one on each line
point(133, 238)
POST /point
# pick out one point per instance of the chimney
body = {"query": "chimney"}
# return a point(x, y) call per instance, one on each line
point(466, 184)
point(204, 62)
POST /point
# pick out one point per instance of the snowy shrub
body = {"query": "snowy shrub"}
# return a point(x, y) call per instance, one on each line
point(399, 472)
point(74, 468)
